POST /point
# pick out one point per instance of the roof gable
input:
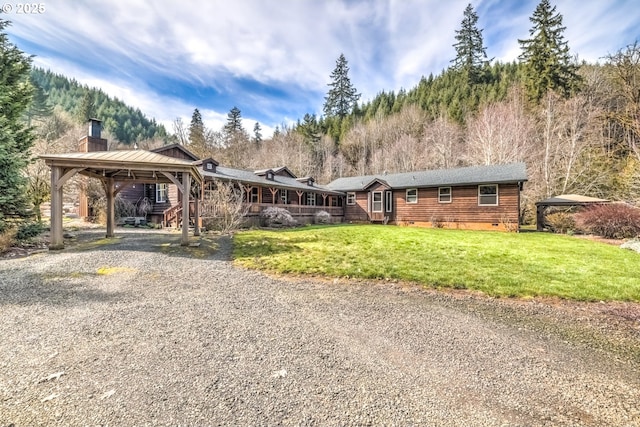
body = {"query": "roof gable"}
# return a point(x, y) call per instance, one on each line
point(166, 150)
point(375, 181)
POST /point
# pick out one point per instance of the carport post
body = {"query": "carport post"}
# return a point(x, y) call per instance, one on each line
point(196, 217)
point(186, 190)
point(109, 188)
point(57, 241)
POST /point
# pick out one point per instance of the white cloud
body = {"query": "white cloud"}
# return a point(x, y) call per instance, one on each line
point(288, 44)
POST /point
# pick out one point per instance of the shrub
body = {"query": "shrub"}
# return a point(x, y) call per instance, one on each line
point(28, 230)
point(7, 239)
point(561, 222)
point(613, 221)
point(322, 217)
point(277, 217)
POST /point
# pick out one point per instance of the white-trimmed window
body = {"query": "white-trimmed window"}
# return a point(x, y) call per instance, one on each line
point(376, 205)
point(388, 201)
point(161, 193)
point(444, 194)
point(311, 199)
point(412, 195)
point(284, 196)
point(351, 198)
point(488, 195)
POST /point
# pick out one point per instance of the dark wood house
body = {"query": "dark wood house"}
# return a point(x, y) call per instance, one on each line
point(477, 197)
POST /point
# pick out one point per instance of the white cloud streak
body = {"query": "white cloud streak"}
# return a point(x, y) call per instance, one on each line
point(288, 43)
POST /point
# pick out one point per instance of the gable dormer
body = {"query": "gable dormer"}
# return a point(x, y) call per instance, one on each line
point(307, 180)
point(266, 173)
point(209, 165)
point(284, 171)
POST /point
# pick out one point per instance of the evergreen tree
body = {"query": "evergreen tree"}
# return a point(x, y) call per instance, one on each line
point(197, 143)
point(342, 96)
point(87, 109)
point(16, 138)
point(39, 107)
point(548, 65)
point(257, 134)
point(471, 53)
point(234, 122)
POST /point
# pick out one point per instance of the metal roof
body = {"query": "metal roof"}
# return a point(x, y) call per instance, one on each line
point(127, 156)
point(473, 175)
point(570, 200)
point(124, 165)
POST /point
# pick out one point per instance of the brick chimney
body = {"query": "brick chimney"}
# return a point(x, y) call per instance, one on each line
point(93, 141)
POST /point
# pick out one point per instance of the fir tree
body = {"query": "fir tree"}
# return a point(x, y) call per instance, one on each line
point(257, 134)
point(16, 138)
point(87, 109)
point(39, 107)
point(342, 96)
point(471, 52)
point(197, 142)
point(234, 122)
point(548, 65)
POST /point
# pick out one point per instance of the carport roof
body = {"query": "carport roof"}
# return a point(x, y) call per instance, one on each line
point(570, 200)
point(124, 165)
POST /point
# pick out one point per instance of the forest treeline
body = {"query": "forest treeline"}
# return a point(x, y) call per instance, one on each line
point(81, 103)
point(575, 124)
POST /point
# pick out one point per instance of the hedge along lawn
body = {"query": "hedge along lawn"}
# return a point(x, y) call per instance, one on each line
point(498, 264)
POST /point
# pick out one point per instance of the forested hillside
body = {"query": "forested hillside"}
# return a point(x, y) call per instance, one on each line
point(575, 124)
point(123, 122)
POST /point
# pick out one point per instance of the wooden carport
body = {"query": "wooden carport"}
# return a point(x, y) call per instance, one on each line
point(116, 170)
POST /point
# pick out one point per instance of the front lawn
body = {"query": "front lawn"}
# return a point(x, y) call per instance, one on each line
point(498, 264)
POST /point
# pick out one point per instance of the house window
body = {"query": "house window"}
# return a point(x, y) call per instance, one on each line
point(161, 193)
point(283, 196)
point(444, 195)
point(412, 195)
point(311, 199)
point(351, 198)
point(388, 201)
point(254, 195)
point(270, 176)
point(377, 201)
point(209, 166)
point(488, 195)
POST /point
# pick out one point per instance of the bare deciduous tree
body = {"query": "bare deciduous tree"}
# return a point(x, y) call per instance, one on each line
point(223, 208)
point(500, 133)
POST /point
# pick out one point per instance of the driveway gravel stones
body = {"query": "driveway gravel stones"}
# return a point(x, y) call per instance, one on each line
point(138, 330)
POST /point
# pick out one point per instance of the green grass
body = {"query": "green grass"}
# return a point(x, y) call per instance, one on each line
point(498, 264)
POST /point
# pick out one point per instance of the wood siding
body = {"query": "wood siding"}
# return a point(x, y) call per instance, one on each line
point(359, 211)
point(462, 212)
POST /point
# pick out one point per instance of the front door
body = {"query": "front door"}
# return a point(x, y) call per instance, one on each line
point(376, 206)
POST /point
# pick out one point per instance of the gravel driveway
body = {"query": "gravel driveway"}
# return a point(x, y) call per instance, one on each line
point(140, 331)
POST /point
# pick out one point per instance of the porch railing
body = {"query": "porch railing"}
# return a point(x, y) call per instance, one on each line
point(296, 210)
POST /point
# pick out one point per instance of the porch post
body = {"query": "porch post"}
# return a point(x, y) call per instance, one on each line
point(196, 217)
point(186, 190)
point(57, 241)
point(109, 188)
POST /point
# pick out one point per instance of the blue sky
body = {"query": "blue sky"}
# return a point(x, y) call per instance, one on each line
point(273, 58)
